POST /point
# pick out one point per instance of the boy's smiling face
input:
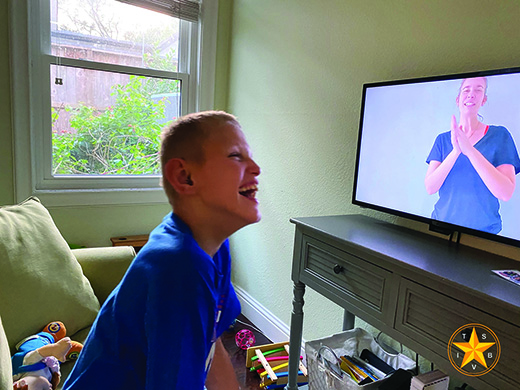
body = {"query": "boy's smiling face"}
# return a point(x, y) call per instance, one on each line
point(226, 183)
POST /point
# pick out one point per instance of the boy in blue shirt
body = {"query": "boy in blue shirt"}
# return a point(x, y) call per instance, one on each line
point(160, 326)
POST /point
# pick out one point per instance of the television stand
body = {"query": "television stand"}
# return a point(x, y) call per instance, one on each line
point(414, 287)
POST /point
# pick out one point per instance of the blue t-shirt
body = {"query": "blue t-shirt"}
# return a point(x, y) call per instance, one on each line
point(157, 328)
point(464, 199)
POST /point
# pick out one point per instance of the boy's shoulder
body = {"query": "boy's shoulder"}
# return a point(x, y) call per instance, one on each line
point(170, 243)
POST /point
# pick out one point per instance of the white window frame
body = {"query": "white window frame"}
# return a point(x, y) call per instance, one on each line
point(30, 82)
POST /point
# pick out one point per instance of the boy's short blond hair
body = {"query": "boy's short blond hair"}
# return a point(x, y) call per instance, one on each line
point(185, 139)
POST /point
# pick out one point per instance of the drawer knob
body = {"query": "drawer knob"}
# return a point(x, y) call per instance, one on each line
point(338, 269)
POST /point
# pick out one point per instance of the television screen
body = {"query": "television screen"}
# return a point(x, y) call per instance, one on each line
point(444, 150)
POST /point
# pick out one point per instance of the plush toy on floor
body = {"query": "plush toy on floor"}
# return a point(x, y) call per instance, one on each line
point(36, 365)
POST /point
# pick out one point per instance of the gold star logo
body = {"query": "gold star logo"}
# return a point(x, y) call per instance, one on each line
point(483, 347)
point(473, 350)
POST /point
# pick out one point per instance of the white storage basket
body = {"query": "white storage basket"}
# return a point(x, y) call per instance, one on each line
point(323, 354)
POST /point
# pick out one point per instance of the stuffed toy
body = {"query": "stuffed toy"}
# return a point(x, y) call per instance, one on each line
point(36, 365)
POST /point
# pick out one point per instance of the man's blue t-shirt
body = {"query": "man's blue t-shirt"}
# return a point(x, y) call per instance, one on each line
point(157, 328)
point(464, 199)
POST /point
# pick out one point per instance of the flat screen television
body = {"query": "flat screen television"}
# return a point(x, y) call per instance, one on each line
point(405, 135)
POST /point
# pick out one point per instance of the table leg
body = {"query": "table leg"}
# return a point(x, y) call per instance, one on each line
point(295, 338)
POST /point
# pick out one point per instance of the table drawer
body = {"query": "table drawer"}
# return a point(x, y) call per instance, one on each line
point(431, 318)
point(349, 277)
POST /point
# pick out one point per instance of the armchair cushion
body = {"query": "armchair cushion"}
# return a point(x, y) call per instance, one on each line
point(40, 279)
point(104, 267)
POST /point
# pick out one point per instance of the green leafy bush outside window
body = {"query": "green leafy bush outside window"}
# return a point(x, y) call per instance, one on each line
point(120, 140)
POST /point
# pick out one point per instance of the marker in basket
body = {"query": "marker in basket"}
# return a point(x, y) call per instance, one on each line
point(361, 377)
point(344, 366)
point(361, 367)
point(365, 367)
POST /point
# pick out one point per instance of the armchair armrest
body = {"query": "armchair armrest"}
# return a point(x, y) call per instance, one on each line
point(6, 372)
point(104, 267)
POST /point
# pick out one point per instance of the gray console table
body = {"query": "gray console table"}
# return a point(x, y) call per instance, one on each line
point(416, 288)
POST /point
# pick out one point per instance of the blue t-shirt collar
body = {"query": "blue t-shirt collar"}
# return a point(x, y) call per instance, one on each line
point(179, 224)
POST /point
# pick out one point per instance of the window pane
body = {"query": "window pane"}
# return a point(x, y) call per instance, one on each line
point(112, 32)
point(107, 123)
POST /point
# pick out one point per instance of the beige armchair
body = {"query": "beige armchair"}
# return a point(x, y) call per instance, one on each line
point(42, 280)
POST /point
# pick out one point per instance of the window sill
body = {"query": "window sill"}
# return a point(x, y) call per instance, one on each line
point(63, 198)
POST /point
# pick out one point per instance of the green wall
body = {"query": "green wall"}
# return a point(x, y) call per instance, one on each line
point(6, 151)
point(295, 82)
point(222, 60)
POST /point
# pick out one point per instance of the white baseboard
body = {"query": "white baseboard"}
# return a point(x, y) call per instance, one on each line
point(275, 329)
point(270, 325)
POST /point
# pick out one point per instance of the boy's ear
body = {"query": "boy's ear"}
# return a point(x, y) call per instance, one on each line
point(177, 174)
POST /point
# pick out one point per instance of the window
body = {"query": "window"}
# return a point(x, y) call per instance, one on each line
point(94, 82)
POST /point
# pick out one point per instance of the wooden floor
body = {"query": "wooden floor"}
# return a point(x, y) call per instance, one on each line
point(247, 380)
